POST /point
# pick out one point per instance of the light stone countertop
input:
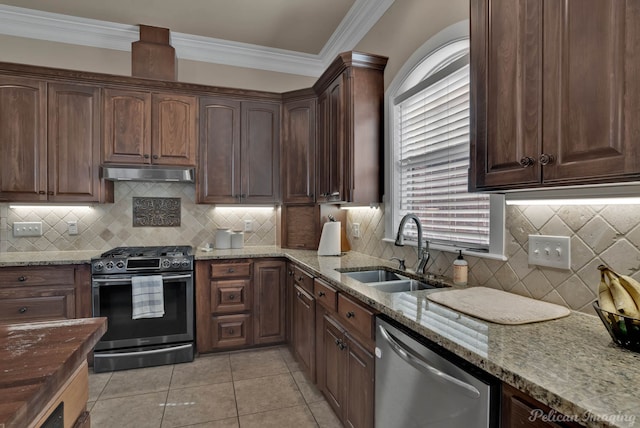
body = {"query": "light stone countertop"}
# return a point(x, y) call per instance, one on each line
point(43, 258)
point(569, 364)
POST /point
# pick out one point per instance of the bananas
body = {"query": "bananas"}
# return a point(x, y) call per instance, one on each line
point(621, 295)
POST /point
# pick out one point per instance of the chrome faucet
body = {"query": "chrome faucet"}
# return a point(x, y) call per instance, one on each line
point(423, 253)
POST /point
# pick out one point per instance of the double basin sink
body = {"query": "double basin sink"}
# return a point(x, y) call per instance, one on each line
point(386, 281)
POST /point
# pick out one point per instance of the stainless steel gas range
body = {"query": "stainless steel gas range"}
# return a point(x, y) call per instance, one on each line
point(166, 337)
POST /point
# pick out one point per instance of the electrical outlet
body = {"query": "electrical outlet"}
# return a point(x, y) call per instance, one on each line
point(355, 230)
point(551, 251)
point(27, 228)
point(72, 227)
point(248, 226)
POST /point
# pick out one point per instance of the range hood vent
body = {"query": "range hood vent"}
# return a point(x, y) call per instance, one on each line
point(147, 173)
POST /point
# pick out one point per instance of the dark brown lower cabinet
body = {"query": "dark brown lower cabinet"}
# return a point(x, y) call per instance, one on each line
point(521, 410)
point(345, 370)
point(269, 302)
point(303, 329)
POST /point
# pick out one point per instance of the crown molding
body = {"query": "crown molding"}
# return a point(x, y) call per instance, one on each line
point(35, 24)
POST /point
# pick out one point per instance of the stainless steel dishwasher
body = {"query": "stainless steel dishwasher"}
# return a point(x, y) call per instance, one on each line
point(417, 386)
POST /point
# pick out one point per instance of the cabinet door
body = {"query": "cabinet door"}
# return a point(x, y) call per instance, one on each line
point(74, 116)
point(591, 90)
point(219, 160)
point(298, 151)
point(231, 331)
point(333, 163)
point(269, 302)
point(259, 152)
point(23, 143)
point(127, 126)
point(360, 375)
point(322, 149)
point(230, 296)
point(331, 361)
point(517, 409)
point(174, 129)
point(506, 93)
point(304, 309)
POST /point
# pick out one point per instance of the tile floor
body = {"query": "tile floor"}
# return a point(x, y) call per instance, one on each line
point(258, 388)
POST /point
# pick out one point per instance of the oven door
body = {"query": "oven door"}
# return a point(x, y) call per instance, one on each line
point(112, 299)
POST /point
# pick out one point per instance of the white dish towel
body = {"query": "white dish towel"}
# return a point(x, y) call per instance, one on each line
point(147, 297)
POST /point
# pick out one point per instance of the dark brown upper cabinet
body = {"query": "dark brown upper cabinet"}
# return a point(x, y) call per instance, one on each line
point(555, 95)
point(299, 151)
point(239, 151)
point(149, 128)
point(350, 104)
point(50, 142)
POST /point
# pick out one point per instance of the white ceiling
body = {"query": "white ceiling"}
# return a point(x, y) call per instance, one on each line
point(293, 36)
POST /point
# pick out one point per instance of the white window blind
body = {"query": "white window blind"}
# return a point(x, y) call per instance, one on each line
point(433, 133)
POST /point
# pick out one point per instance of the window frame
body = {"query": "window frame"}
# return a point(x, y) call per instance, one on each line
point(428, 59)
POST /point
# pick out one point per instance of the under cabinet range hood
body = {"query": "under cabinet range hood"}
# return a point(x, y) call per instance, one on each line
point(147, 173)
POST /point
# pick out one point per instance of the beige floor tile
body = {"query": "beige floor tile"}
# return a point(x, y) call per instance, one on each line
point(138, 381)
point(97, 382)
point(223, 423)
point(293, 417)
point(139, 411)
point(199, 404)
point(203, 370)
point(324, 415)
point(267, 393)
point(254, 364)
point(290, 360)
point(309, 391)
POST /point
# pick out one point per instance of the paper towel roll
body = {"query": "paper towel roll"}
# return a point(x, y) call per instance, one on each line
point(330, 239)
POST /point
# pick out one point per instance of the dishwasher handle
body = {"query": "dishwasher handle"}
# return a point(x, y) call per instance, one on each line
point(419, 363)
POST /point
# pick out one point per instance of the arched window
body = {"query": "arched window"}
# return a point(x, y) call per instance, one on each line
point(428, 113)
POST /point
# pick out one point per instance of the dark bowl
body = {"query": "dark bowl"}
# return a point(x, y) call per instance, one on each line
point(625, 331)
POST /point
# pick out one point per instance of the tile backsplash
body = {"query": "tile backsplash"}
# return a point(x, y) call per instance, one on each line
point(599, 234)
point(105, 226)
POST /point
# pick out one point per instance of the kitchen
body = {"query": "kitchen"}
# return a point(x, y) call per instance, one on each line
point(599, 233)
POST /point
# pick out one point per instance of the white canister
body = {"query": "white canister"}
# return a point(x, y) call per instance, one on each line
point(237, 239)
point(223, 238)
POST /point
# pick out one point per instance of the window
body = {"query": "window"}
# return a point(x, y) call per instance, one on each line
point(429, 113)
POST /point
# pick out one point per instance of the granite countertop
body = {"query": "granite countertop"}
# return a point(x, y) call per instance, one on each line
point(569, 364)
point(43, 258)
point(31, 372)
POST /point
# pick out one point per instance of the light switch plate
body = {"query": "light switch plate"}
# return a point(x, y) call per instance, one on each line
point(551, 251)
point(27, 228)
point(355, 229)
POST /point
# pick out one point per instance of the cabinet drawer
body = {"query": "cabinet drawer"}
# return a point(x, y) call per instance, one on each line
point(303, 279)
point(360, 318)
point(231, 270)
point(25, 309)
point(230, 296)
point(231, 331)
point(21, 276)
point(326, 295)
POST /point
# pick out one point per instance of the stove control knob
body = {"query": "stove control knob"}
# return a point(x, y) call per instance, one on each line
point(175, 263)
point(120, 264)
point(98, 266)
point(109, 265)
point(185, 263)
point(166, 263)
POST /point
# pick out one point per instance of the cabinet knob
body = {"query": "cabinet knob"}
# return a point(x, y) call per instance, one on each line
point(232, 296)
point(546, 159)
point(22, 278)
point(300, 278)
point(155, 156)
point(350, 314)
point(231, 270)
point(290, 273)
point(299, 294)
point(22, 310)
point(146, 156)
point(321, 294)
point(42, 192)
point(50, 192)
point(230, 331)
point(527, 161)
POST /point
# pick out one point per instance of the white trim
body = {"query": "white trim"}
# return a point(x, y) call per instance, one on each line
point(35, 24)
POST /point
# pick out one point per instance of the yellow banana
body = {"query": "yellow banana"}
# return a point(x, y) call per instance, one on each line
point(632, 286)
point(605, 299)
point(622, 300)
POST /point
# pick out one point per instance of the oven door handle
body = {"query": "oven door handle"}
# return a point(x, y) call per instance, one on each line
point(164, 278)
point(139, 353)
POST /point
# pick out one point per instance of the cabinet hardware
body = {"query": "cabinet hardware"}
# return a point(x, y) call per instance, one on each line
point(22, 278)
point(42, 192)
point(230, 331)
point(231, 270)
point(527, 161)
point(232, 296)
point(300, 279)
point(299, 294)
point(291, 273)
point(321, 294)
point(22, 310)
point(146, 156)
point(546, 159)
point(350, 314)
point(50, 192)
point(155, 156)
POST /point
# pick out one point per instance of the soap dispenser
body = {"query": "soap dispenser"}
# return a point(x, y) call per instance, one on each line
point(460, 270)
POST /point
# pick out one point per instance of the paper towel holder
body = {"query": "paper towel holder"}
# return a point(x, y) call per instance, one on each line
point(330, 240)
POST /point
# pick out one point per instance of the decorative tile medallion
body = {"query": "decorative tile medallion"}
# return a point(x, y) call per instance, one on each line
point(156, 212)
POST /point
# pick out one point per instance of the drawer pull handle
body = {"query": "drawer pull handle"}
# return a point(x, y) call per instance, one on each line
point(231, 270)
point(232, 296)
point(321, 294)
point(340, 344)
point(299, 294)
point(350, 314)
point(230, 331)
point(22, 278)
point(22, 310)
point(300, 279)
